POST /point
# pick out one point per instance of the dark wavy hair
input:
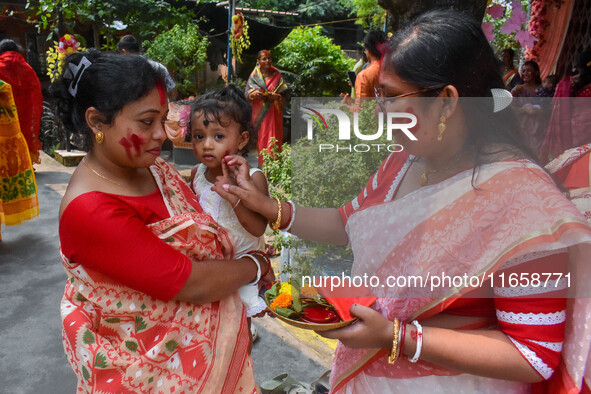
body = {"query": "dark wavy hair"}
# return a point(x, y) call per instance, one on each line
point(447, 47)
point(229, 101)
point(7, 45)
point(374, 41)
point(108, 84)
point(533, 64)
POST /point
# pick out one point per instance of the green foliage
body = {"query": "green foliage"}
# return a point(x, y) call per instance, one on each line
point(277, 169)
point(327, 179)
point(144, 18)
point(310, 11)
point(312, 64)
point(371, 15)
point(183, 51)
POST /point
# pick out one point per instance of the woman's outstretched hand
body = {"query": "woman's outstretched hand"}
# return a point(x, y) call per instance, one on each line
point(371, 331)
point(235, 183)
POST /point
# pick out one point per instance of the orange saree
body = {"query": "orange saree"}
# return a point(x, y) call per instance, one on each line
point(18, 189)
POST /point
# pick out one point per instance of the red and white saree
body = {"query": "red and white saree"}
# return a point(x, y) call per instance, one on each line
point(121, 340)
point(515, 215)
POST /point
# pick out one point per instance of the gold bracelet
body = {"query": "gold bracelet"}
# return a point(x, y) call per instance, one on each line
point(275, 226)
point(393, 356)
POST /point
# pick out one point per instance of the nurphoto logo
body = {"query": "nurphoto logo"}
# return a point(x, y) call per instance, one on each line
point(395, 121)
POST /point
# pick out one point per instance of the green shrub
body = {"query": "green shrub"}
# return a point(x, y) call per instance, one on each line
point(183, 51)
point(322, 180)
point(312, 65)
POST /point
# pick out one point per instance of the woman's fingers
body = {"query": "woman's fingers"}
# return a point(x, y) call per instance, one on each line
point(225, 170)
point(368, 332)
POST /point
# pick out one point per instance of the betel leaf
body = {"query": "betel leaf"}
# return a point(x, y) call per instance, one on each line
point(296, 304)
point(286, 313)
point(272, 292)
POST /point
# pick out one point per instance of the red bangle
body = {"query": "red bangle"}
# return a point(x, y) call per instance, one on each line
point(288, 219)
point(402, 335)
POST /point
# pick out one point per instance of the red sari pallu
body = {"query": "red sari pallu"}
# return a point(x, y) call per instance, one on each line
point(120, 340)
point(26, 89)
point(267, 116)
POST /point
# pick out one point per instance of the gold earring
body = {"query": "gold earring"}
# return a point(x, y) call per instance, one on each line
point(441, 126)
point(99, 137)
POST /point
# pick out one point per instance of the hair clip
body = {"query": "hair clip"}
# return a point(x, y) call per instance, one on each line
point(76, 72)
point(502, 98)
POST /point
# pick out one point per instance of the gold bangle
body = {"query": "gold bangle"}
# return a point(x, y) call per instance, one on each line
point(393, 356)
point(275, 226)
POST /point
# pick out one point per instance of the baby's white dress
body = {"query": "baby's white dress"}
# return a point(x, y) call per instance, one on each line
point(243, 241)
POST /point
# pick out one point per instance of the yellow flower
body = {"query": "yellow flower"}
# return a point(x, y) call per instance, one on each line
point(283, 300)
point(67, 37)
point(288, 289)
point(285, 288)
point(70, 50)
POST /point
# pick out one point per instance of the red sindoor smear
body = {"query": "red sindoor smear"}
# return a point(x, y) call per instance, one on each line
point(162, 93)
point(137, 143)
point(127, 145)
point(132, 140)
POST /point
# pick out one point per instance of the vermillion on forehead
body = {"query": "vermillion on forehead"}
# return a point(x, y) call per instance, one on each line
point(162, 93)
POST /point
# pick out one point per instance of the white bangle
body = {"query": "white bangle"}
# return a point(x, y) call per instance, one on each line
point(417, 354)
point(258, 267)
point(292, 219)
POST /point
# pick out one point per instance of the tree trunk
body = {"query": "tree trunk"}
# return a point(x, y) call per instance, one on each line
point(96, 34)
point(401, 12)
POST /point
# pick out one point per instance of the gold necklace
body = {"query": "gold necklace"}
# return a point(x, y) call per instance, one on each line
point(426, 172)
point(101, 175)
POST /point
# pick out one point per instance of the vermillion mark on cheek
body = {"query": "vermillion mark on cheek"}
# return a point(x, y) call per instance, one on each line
point(137, 143)
point(132, 141)
point(127, 145)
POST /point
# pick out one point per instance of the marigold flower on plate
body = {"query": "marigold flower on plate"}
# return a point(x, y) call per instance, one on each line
point(283, 300)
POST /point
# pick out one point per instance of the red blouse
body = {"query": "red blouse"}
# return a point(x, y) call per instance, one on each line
point(107, 233)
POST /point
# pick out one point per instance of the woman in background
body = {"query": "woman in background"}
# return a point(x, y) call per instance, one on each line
point(266, 91)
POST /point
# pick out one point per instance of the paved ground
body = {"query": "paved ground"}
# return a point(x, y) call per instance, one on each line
point(31, 284)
